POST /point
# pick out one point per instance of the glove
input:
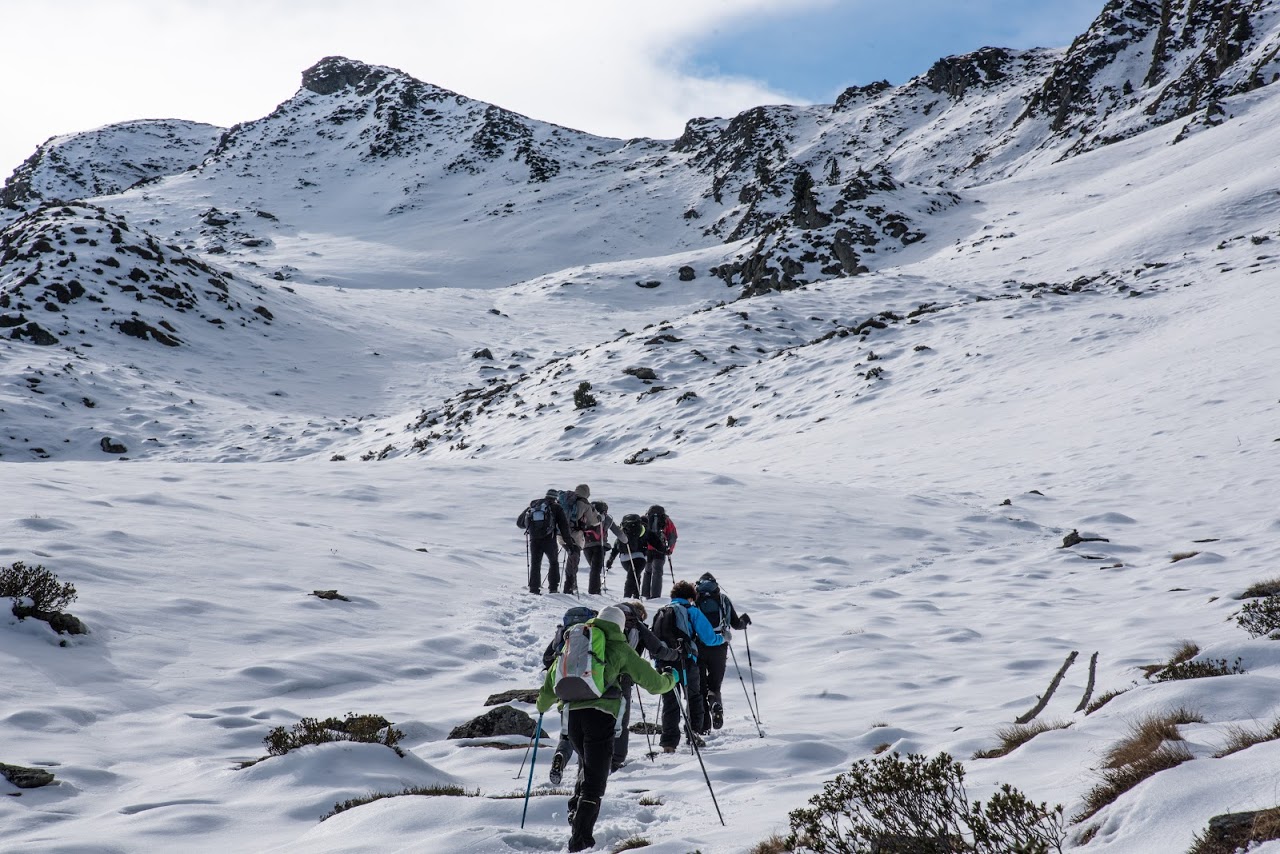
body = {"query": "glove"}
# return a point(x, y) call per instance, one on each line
point(609, 563)
point(669, 654)
point(746, 619)
point(670, 549)
point(673, 673)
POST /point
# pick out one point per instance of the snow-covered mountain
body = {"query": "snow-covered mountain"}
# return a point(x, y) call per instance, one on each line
point(835, 338)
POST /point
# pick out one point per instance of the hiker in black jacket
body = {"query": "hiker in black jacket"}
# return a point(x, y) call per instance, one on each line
point(631, 550)
point(641, 638)
point(712, 660)
point(541, 521)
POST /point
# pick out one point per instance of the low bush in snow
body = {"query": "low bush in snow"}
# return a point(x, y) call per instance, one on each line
point(38, 584)
point(437, 790)
point(1199, 669)
point(1260, 617)
point(367, 729)
point(917, 803)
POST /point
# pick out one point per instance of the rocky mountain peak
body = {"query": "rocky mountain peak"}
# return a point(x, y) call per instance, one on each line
point(335, 73)
point(952, 75)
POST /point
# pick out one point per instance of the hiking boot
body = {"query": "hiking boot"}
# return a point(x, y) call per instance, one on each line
point(695, 739)
point(717, 715)
point(616, 764)
point(557, 769)
point(668, 748)
point(584, 822)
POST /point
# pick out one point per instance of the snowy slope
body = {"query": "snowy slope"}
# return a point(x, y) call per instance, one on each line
point(378, 303)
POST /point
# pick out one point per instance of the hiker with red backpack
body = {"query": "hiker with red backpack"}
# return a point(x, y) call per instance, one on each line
point(586, 685)
point(541, 521)
point(712, 660)
point(597, 541)
point(660, 544)
point(681, 625)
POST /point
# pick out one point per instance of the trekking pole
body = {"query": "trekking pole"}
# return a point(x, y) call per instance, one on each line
point(537, 737)
point(696, 751)
point(648, 736)
point(754, 716)
point(671, 562)
point(751, 670)
point(528, 557)
point(520, 773)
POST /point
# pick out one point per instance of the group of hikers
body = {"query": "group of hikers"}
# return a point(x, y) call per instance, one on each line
point(569, 519)
point(594, 658)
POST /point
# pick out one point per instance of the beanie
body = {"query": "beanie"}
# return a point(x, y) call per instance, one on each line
point(614, 615)
point(583, 490)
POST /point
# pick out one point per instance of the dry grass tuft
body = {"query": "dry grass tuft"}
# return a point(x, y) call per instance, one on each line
point(1177, 556)
point(1260, 589)
point(773, 845)
point(1102, 700)
point(1264, 826)
point(1013, 737)
point(1117, 781)
point(1240, 738)
point(881, 748)
point(632, 843)
point(1146, 735)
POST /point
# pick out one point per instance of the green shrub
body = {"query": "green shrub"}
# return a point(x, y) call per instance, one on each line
point(439, 790)
point(1260, 617)
point(1199, 669)
point(916, 803)
point(367, 729)
point(41, 585)
point(582, 397)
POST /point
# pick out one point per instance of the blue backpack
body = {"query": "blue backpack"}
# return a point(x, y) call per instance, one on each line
point(572, 507)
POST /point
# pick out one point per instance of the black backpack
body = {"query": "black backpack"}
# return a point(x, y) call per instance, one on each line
point(633, 527)
point(673, 627)
point(540, 520)
point(657, 522)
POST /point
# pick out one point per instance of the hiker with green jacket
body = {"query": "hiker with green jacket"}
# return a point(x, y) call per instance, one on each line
point(591, 723)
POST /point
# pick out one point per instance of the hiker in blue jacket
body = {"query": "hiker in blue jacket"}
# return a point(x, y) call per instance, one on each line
point(682, 625)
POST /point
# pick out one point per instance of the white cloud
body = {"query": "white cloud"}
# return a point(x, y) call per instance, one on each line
point(608, 68)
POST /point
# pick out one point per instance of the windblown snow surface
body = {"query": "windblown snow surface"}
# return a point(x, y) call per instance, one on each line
point(890, 509)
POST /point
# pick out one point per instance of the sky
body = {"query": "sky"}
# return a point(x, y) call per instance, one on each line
point(604, 68)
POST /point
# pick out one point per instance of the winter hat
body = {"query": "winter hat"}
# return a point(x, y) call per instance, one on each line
point(583, 490)
point(614, 615)
point(706, 576)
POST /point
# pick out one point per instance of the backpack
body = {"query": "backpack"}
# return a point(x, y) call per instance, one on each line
point(672, 626)
point(572, 508)
point(633, 528)
point(711, 602)
point(657, 522)
point(580, 665)
point(540, 518)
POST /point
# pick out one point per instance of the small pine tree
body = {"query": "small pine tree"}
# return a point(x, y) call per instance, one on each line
point(37, 583)
point(583, 398)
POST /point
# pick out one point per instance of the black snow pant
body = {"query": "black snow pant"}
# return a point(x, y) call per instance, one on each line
point(539, 546)
point(691, 682)
point(712, 661)
point(655, 563)
point(591, 732)
point(571, 558)
point(595, 560)
point(635, 571)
